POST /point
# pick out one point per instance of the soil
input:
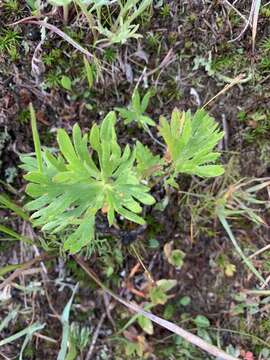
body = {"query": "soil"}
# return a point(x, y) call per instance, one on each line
point(168, 50)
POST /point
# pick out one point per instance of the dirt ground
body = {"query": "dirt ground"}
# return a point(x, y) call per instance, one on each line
point(187, 57)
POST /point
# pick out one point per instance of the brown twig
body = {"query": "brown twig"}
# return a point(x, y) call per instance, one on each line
point(60, 33)
point(94, 338)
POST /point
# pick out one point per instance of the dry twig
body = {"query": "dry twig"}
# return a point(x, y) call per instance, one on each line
point(95, 336)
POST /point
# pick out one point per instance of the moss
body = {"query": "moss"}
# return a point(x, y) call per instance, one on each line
point(171, 91)
point(192, 17)
point(79, 274)
point(110, 55)
point(9, 42)
point(265, 11)
point(165, 10)
point(53, 57)
point(232, 61)
point(188, 44)
point(12, 7)
point(23, 116)
point(153, 40)
point(172, 38)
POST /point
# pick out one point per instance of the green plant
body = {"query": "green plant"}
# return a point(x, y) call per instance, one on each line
point(89, 72)
point(9, 40)
point(265, 11)
point(23, 116)
point(190, 141)
point(68, 348)
point(79, 338)
point(266, 45)
point(122, 28)
point(53, 79)
point(66, 82)
point(136, 110)
point(52, 58)
point(258, 126)
point(177, 258)
point(154, 40)
point(157, 294)
point(165, 10)
point(174, 257)
point(33, 5)
point(71, 187)
point(12, 6)
point(147, 163)
point(27, 332)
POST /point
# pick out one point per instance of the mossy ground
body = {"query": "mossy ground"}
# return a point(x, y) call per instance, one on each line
point(187, 57)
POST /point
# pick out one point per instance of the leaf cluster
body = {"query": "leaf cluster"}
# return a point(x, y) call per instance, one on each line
point(190, 142)
point(123, 27)
point(136, 110)
point(91, 173)
point(70, 188)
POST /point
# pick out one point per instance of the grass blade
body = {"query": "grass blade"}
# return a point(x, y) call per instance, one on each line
point(36, 137)
point(7, 203)
point(8, 268)
point(89, 72)
point(248, 263)
point(66, 327)
point(27, 331)
point(256, 9)
point(4, 229)
point(89, 17)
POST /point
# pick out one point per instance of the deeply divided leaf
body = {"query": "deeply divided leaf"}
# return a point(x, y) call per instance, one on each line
point(90, 173)
point(190, 142)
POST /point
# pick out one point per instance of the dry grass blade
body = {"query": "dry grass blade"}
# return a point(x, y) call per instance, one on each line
point(260, 251)
point(238, 79)
point(63, 35)
point(237, 11)
point(255, 15)
point(168, 59)
point(191, 338)
point(252, 20)
point(89, 17)
point(95, 337)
